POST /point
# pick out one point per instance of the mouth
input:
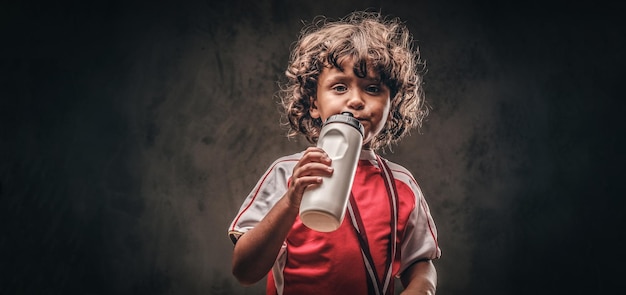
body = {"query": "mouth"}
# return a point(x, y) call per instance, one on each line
point(362, 120)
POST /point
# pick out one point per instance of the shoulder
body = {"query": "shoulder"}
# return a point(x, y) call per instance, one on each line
point(286, 161)
point(283, 165)
point(291, 157)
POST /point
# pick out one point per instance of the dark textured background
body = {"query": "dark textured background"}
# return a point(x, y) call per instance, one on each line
point(131, 132)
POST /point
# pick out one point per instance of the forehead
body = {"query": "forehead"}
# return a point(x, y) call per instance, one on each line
point(349, 66)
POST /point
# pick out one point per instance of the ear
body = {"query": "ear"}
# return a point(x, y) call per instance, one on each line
point(313, 111)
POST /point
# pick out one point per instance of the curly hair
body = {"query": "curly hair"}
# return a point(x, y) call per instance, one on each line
point(371, 41)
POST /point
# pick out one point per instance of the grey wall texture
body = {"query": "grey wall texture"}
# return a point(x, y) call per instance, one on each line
point(131, 132)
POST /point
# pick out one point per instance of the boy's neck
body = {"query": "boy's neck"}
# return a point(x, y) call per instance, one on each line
point(367, 154)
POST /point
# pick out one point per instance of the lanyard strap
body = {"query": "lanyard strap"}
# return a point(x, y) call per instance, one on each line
point(375, 286)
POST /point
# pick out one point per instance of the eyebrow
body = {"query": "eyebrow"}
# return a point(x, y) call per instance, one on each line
point(339, 76)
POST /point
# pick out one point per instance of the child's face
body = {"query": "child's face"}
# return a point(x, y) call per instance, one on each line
point(343, 91)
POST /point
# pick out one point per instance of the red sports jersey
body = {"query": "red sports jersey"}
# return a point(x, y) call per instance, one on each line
point(312, 262)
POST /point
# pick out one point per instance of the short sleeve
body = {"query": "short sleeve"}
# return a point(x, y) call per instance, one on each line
point(265, 194)
point(420, 240)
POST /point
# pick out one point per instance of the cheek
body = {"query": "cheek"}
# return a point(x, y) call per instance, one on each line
point(385, 111)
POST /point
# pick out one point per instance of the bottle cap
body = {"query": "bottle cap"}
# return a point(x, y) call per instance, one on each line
point(346, 118)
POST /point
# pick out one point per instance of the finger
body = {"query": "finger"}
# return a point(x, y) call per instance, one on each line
point(314, 149)
point(300, 184)
point(315, 154)
point(313, 169)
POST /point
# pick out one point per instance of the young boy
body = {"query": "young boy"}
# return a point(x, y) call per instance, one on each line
point(366, 65)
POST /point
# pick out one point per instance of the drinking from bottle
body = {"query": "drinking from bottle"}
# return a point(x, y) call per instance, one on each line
point(323, 207)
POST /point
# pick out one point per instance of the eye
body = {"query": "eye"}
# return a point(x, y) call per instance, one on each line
point(340, 88)
point(373, 89)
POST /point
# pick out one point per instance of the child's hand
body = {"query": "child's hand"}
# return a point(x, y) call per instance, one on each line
point(314, 164)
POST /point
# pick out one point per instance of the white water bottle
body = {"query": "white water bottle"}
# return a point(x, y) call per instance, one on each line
point(323, 207)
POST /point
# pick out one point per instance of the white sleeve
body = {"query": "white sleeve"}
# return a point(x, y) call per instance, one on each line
point(268, 190)
point(420, 239)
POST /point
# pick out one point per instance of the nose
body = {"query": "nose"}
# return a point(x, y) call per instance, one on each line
point(355, 101)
